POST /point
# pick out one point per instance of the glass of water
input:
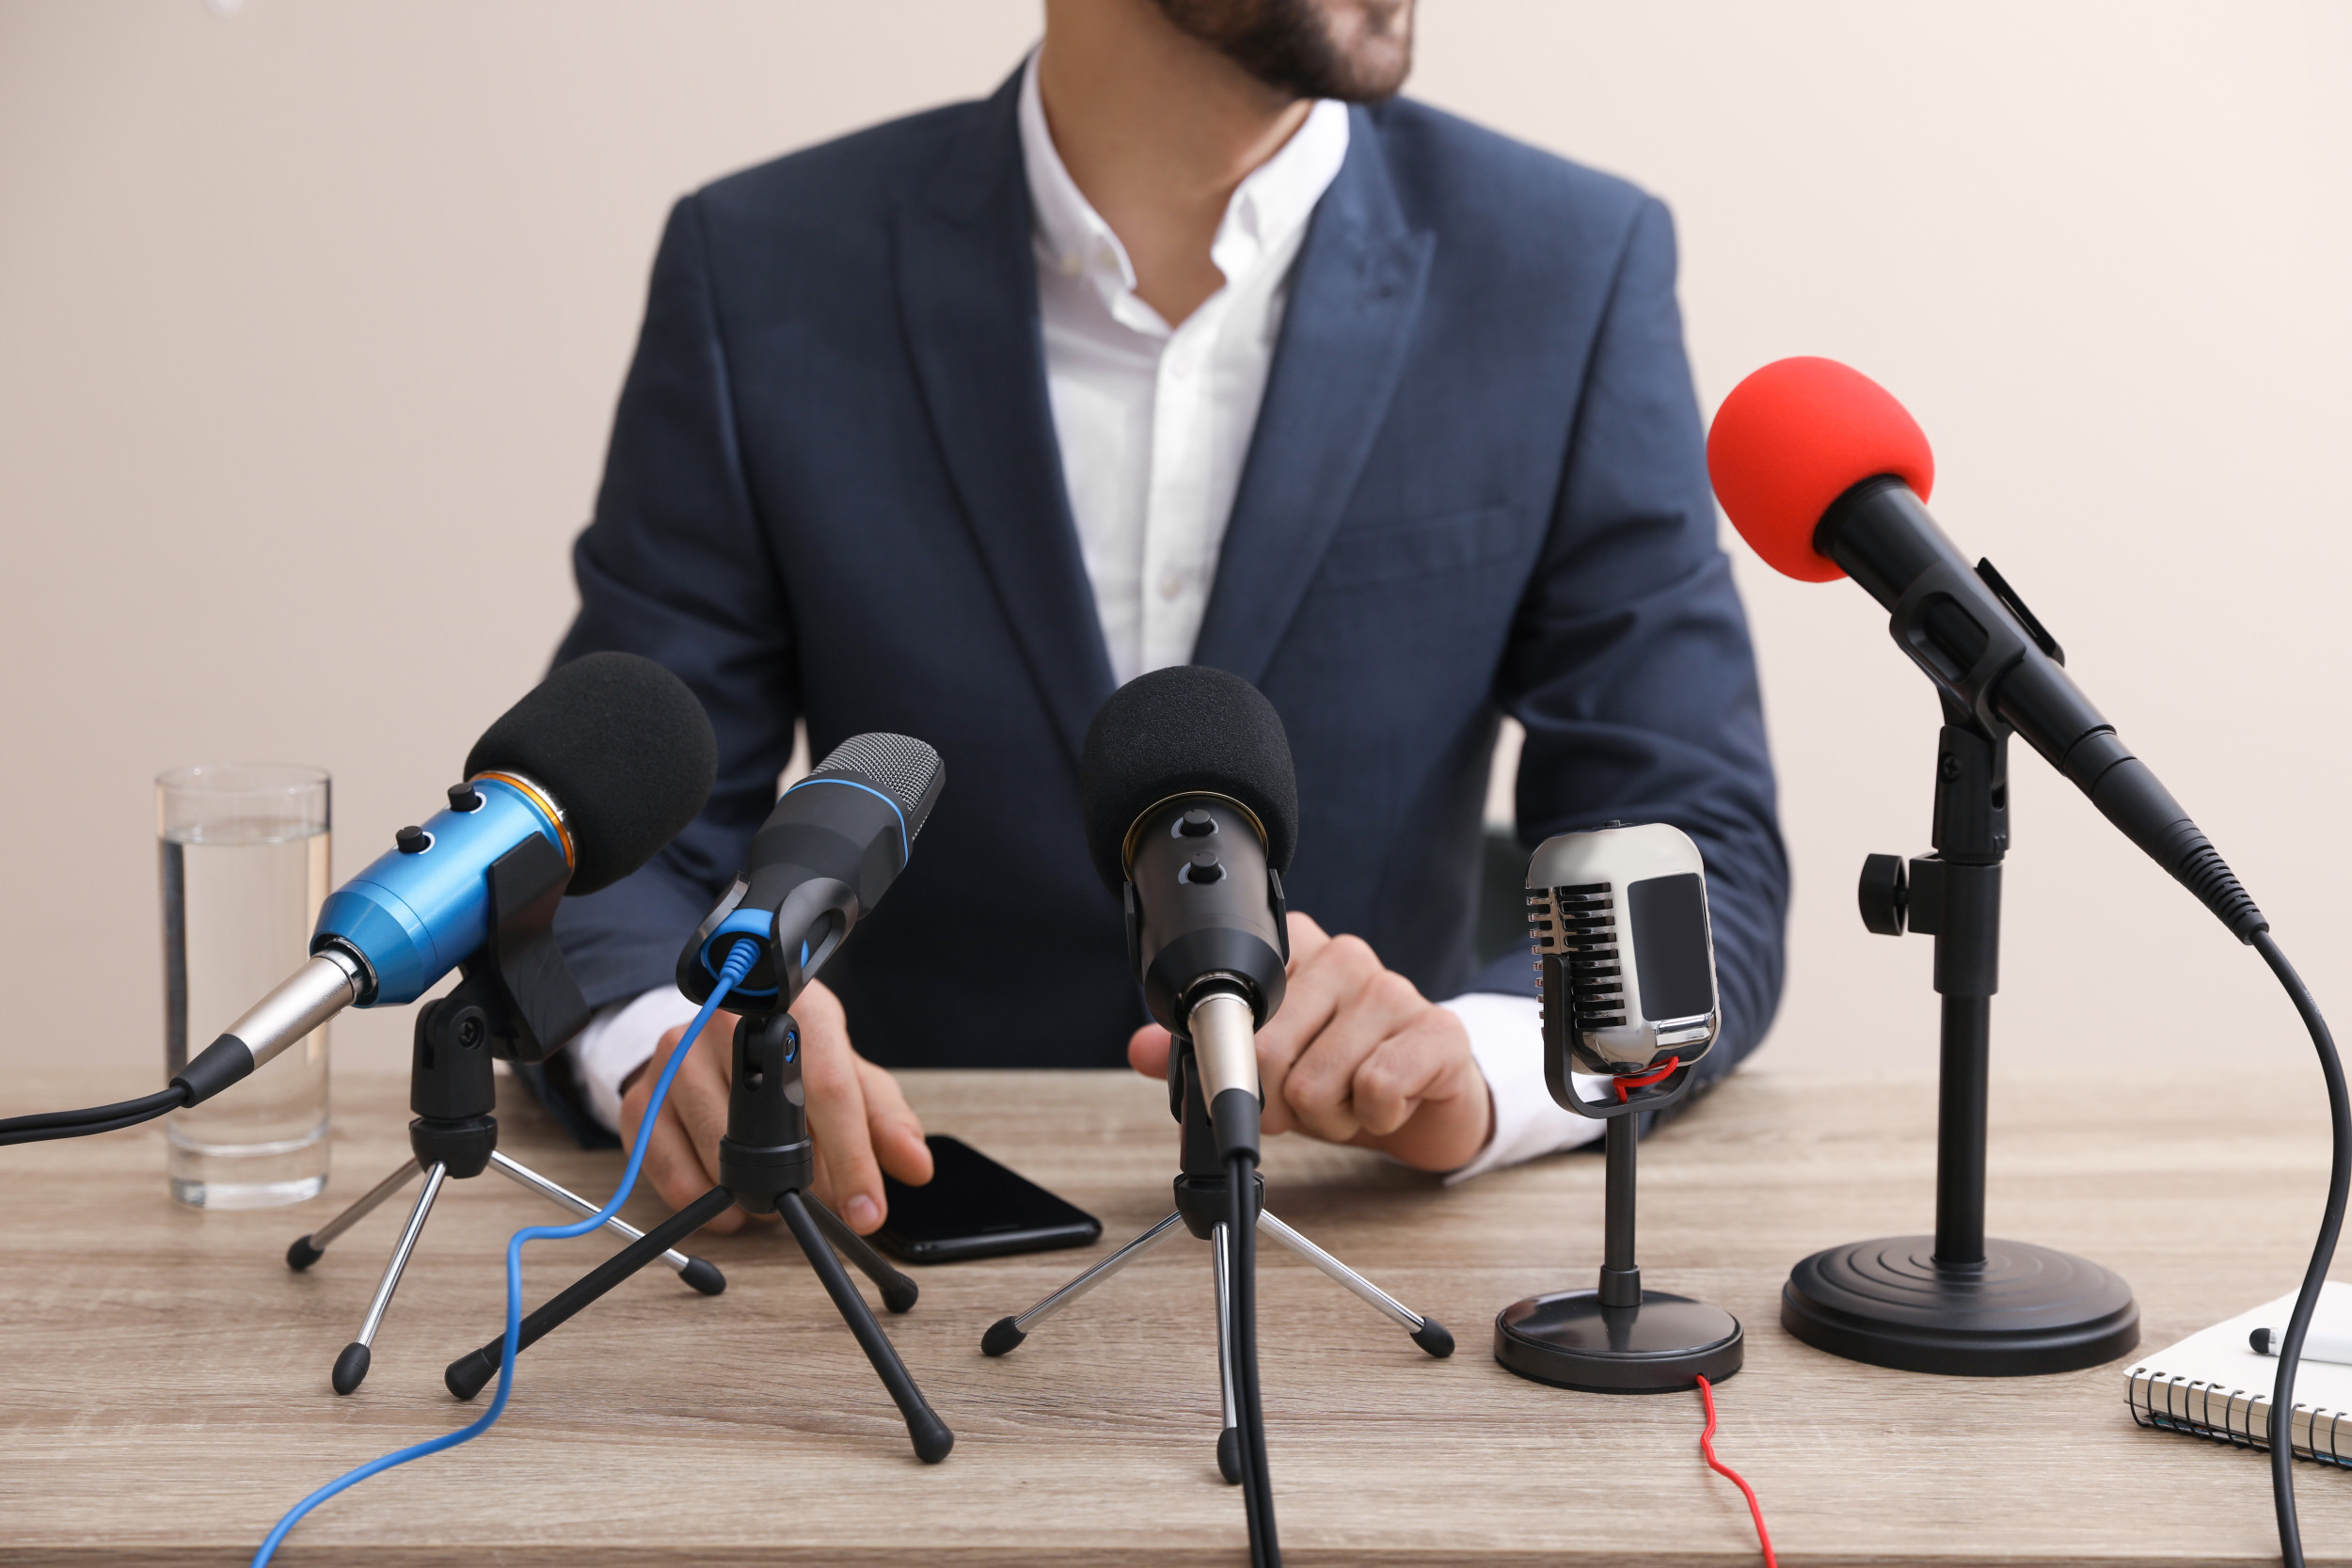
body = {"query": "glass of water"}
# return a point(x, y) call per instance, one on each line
point(244, 851)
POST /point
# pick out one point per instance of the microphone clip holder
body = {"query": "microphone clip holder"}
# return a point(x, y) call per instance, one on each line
point(516, 1000)
point(1957, 1302)
point(1202, 1203)
point(766, 1162)
point(1618, 1338)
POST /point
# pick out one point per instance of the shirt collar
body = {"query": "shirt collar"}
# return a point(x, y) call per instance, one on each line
point(1267, 212)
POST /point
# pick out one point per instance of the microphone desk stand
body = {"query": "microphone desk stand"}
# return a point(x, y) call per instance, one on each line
point(515, 996)
point(765, 1162)
point(1956, 1302)
point(1202, 1203)
point(1620, 1339)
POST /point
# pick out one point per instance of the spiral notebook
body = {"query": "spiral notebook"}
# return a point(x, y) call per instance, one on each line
point(2213, 1385)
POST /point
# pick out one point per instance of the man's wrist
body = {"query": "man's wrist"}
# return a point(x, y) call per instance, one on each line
point(617, 1044)
point(1507, 1045)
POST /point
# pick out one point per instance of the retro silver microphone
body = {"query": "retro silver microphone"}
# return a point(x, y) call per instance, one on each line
point(1627, 963)
point(1624, 957)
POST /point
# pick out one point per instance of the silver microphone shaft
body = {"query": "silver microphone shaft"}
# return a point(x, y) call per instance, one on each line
point(1225, 1042)
point(1225, 1053)
point(330, 982)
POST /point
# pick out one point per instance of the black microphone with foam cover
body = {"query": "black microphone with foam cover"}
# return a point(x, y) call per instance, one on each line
point(1191, 812)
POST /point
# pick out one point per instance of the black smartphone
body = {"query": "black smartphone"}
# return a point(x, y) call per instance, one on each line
point(973, 1207)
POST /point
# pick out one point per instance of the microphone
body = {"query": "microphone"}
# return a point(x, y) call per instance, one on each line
point(827, 853)
point(1626, 961)
point(1625, 956)
point(1826, 475)
point(1191, 811)
point(602, 763)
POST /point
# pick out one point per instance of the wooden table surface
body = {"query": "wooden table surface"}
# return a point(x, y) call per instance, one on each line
point(164, 1378)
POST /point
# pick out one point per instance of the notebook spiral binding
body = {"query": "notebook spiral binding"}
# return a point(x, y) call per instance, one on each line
point(2189, 1405)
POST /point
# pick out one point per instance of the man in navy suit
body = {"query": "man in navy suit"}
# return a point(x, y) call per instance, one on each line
point(1191, 343)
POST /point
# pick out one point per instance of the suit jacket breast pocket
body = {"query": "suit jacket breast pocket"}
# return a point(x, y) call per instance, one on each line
point(1382, 555)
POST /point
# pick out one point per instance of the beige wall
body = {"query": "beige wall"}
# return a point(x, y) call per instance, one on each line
point(312, 318)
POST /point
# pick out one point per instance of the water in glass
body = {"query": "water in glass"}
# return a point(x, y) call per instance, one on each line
point(245, 869)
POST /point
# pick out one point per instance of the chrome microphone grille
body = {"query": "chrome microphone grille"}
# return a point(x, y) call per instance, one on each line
point(1580, 924)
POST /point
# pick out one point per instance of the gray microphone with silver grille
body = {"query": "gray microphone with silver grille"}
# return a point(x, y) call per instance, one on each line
point(1624, 954)
point(1618, 917)
point(835, 842)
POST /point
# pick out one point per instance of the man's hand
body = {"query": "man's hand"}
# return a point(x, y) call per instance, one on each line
point(855, 1115)
point(1356, 1056)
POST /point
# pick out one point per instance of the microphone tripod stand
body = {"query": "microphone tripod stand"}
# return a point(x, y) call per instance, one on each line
point(764, 1165)
point(1203, 1200)
point(1956, 1302)
point(515, 996)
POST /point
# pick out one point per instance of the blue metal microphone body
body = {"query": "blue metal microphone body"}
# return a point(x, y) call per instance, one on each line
point(411, 916)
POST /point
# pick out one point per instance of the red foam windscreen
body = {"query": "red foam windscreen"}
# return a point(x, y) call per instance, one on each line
point(1793, 438)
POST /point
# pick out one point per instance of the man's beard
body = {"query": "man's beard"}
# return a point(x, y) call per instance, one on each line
point(1288, 45)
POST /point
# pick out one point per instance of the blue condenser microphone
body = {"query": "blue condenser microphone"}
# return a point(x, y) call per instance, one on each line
point(600, 765)
point(835, 842)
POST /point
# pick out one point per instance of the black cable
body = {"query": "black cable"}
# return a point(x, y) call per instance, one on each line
point(1256, 1483)
point(2281, 1431)
point(94, 1112)
point(43, 1126)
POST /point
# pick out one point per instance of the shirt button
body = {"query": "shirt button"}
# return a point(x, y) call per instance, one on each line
point(1172, 584)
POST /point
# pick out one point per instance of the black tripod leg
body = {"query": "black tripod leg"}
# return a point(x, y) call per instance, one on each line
point(898, 1292)
point(1229, 1435)
point(466, 1375)
point(929, 1433)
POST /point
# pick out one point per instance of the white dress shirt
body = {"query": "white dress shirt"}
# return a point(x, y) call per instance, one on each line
point(1154, 422)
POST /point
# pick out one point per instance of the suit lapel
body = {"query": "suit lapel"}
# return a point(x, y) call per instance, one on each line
point(1354, 297)
point(968, 291)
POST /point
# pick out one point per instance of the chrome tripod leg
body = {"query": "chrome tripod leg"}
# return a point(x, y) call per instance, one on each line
point(1005, 1333)
point(1428, 1333)
point(702, 1275)
point(1228, 1437)
point(352, 1365)
point(307, 1250)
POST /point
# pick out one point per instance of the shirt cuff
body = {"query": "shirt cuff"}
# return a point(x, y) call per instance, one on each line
point(619, 1040)
point(1506, 1035)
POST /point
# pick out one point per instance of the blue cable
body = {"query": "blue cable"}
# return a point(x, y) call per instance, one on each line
point(740, 959)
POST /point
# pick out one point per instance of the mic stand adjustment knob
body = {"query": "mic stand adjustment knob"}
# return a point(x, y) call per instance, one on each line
point(1885, 894)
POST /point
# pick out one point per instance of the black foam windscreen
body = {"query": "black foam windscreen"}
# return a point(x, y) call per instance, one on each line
point(904, 768)
point(1178, 731)
point(624, 748)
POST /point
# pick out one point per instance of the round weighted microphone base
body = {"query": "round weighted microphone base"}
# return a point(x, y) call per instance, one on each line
point(1663, 1344)
point(1959, 1303)
point(2024, 1311)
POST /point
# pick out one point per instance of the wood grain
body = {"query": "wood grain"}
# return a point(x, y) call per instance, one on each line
point(165, 1394)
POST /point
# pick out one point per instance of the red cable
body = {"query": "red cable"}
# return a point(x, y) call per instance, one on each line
point(1706, 1448)
point(1645, 1080)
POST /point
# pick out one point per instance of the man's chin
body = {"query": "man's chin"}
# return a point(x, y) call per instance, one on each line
point(1355, 51)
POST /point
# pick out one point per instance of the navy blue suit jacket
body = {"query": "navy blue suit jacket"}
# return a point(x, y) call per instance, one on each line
point(1476, 486)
